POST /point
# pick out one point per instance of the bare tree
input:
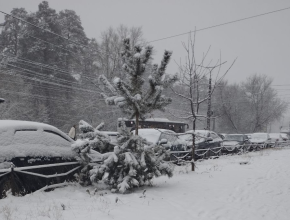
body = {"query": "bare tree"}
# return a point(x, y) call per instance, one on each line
point(250, 106)
point(192, 87)
point(111, 45)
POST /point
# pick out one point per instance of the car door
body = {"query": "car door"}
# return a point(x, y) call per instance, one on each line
point(216, 140)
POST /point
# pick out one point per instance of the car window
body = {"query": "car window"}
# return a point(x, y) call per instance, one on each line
point(232, 137)
point(259, 136)
point(47, 138)
point(213, 135)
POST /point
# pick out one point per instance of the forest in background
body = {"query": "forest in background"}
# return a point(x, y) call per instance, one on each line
point(53, 78)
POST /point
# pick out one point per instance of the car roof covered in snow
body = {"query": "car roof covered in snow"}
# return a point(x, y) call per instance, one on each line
point(24, 138)
point(154, 120)
point(198, 132)
point(25, 125)
point(152, 135)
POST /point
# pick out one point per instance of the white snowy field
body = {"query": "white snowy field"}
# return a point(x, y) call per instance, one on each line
point(219, 189)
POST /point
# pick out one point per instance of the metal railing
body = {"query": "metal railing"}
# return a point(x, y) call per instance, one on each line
point(180, 156)
point(23, 180)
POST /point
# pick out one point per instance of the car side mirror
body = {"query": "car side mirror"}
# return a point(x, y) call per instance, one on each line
point(163, 141)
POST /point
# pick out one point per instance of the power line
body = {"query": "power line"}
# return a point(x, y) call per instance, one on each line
point(47, 82)
point(46, 66)
point(222, 24)
point(42, 75)
point(45, 98)
point(40, 86)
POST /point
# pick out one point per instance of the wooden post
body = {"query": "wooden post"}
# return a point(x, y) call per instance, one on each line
point(209, 112)
point(193, 152)
point(12, 182)
point(137, 123)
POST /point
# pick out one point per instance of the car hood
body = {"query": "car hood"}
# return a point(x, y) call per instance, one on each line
point(258, 140)
point(231, 143)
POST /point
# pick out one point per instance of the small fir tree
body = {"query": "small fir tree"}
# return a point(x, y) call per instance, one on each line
point(89, 146)
point(132, 164)
point(128, 94)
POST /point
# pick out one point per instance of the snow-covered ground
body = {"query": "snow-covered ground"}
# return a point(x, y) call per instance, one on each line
point(219, 189)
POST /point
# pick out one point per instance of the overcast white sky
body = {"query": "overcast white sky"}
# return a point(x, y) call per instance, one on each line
point(262, 44)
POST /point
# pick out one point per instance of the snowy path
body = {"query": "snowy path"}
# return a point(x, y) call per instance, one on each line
point(220, 189)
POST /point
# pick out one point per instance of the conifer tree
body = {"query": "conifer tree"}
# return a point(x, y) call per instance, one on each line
point(131, 164)
point(128, 94)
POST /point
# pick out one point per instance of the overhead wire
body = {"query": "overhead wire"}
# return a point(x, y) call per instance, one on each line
point(45, 98)
point(41, 65)
point(44, 81)
point(45, 77)
point(40, 86)
point(222, 24)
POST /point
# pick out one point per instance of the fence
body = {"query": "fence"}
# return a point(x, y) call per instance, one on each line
point(23, 180)
point(180, 156)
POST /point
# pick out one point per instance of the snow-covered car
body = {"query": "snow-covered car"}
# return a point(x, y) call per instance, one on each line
point(284, 136)
point(24, 139)
point(169, 139)
point(36, 154)
point(235, 141)
point(204, 139)
point(249, 136)
point(260, 138)
point(158, 136)
point(275, 137)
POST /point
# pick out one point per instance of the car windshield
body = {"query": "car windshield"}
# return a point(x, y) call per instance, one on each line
point(274, 135)
point(259, 136)
point(47, 138)
point(233, 137)
point(188, 137)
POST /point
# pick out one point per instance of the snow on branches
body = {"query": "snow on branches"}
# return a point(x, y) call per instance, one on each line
point(129, 94)
point(131, 164)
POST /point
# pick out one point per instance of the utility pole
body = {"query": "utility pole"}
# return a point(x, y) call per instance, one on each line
point(209, 112)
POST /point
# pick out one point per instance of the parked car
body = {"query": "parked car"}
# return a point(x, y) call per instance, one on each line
point(222, 135)
point(157, 136)
point(249, 136)
point(169, 139)
point(284, 136)
point(39, 154)
point(204, 140)
point(275, 137)
point(261, 139)
point(233, 142)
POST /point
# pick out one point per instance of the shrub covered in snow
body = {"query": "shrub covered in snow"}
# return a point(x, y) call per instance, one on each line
point(131, 164)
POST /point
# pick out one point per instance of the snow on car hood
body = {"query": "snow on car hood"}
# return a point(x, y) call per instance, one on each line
point(258, 140)
point(230, 143)
point(187, 138)
point(151, 135)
